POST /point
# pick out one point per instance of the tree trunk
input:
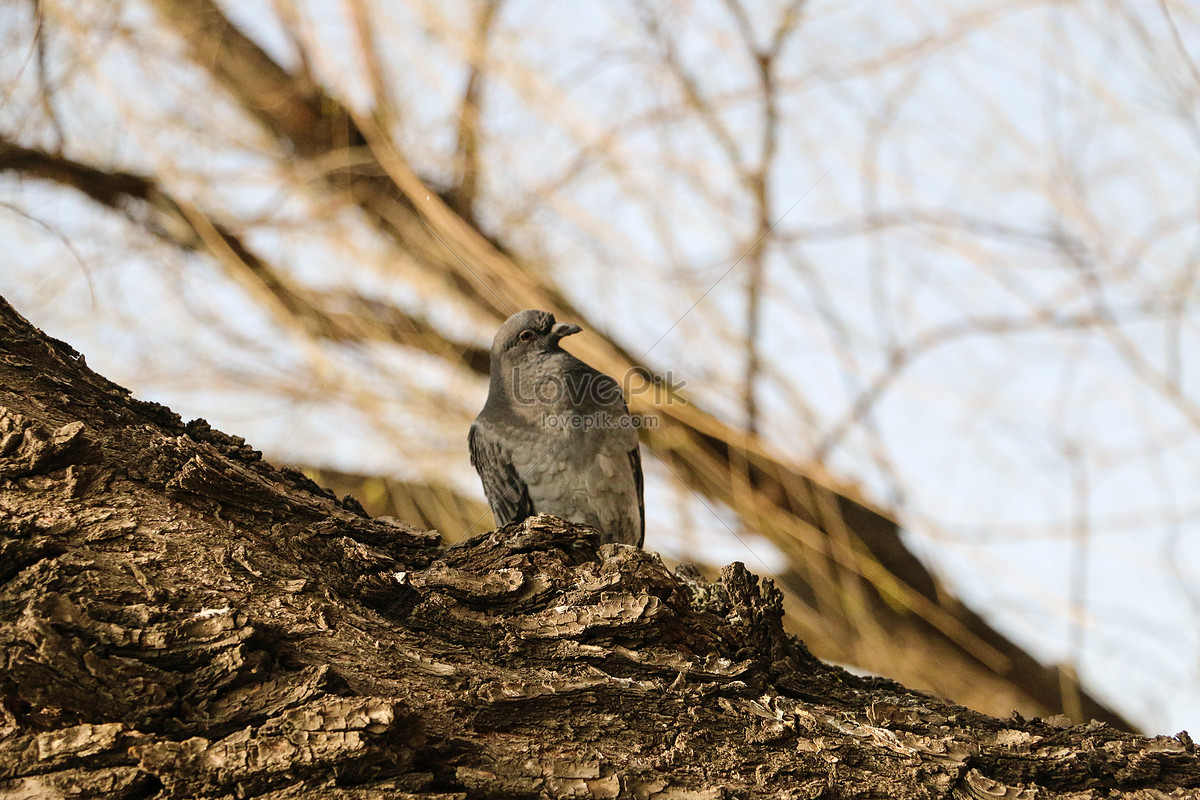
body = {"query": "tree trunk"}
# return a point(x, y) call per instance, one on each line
point(179, 618)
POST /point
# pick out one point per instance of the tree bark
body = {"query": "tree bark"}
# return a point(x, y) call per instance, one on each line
point(179, 618)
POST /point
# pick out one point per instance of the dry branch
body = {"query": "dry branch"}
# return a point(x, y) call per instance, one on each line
point(329, 314)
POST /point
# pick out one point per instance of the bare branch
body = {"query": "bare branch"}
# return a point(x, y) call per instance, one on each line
point(462, 198)
point(337, 316)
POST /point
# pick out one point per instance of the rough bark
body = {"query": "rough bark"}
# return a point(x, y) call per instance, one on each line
point(178, 618)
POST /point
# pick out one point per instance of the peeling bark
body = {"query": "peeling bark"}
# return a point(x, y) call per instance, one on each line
point(179, 618)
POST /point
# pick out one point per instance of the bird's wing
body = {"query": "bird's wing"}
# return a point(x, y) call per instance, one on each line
point(610, 391)
point(635, 461)
point(506, 493)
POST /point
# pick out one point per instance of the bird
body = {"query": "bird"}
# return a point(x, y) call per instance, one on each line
point(555, 436)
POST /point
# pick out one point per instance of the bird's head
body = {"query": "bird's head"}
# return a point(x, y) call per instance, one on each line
point(529, 332)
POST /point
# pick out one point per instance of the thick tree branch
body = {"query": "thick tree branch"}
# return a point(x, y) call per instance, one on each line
point(179, 619)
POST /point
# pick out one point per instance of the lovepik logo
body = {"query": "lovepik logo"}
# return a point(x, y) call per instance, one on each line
point(600, 420)
point(594, 389)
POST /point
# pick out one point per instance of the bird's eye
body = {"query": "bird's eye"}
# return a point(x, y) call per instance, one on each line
point(526, 336)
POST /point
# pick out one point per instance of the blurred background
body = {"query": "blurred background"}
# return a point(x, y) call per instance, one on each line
point(908, 289)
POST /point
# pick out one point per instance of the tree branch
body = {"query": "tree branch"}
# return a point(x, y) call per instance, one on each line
point(334, 315)
point(179, 618)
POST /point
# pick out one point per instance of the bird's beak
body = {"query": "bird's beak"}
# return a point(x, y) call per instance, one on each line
point(562, 329)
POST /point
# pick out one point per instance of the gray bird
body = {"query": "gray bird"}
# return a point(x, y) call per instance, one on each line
point(555, 436)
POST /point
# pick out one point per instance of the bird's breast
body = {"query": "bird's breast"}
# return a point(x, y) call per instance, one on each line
point(585, 479)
